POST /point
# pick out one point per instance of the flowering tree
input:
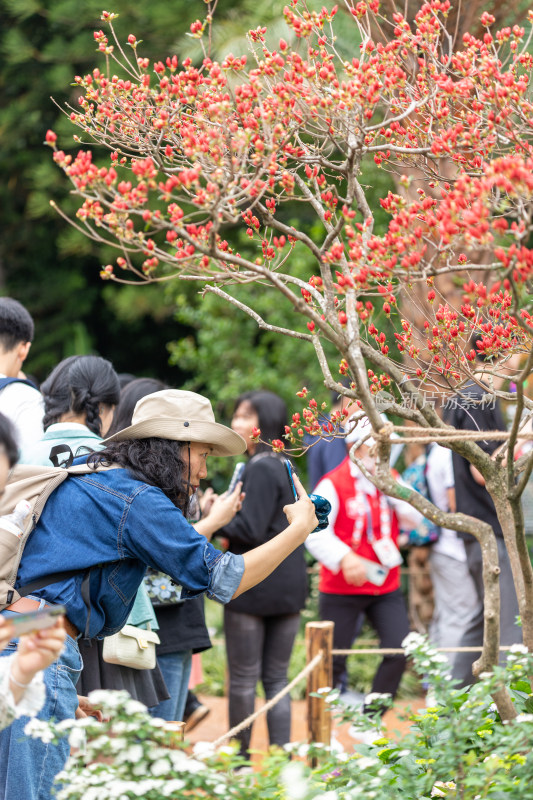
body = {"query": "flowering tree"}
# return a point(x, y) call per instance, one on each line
point(193, 150)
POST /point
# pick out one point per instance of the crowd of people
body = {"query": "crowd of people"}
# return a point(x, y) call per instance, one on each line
point(128, 510)
point(131, 536)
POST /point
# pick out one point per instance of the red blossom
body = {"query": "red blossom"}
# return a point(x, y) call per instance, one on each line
point(199, 153)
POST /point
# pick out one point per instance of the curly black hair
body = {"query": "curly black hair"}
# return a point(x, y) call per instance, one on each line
point(158, 462)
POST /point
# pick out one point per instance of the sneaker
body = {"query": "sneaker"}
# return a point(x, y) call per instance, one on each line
point(244, 769)
point(195, 712)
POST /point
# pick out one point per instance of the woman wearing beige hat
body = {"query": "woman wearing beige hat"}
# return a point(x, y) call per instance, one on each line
point(105, 528)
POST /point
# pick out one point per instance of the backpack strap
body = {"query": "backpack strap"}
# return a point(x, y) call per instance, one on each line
point(6, 381)
point(56, 451)
point(55, 577)
point(48, 580)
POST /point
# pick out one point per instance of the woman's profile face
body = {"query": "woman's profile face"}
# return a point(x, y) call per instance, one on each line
point(197, 463)
point(245, 419)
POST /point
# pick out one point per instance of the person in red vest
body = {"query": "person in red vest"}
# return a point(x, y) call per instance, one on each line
point(359, 558)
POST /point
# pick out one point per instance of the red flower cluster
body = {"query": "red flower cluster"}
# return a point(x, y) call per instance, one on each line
point(191, 152)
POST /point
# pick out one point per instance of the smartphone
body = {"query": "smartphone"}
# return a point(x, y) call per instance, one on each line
point(322, 506)
point(290, 469)
point(375, 573)
point(36, 620)
point(236, 477)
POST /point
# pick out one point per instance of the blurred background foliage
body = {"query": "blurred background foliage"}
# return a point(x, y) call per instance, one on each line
point(167, 331)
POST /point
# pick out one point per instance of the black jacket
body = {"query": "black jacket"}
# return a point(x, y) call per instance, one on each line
point(475, 410)
point(267, 488)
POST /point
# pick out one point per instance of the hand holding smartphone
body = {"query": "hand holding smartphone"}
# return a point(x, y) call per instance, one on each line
point(375, 573)
point(322, 506)
point(37, 649)
point(36, 620)
point(236, 477)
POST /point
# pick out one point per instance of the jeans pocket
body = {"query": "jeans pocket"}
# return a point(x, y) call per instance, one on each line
point(71, 663)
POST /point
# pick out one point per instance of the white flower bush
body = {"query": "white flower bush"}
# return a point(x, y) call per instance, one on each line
point(458, 748)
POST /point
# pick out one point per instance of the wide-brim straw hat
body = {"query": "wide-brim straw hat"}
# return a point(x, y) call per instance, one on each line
point(184, 417)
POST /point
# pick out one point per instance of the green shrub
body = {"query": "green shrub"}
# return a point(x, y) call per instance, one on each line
point(457, 749)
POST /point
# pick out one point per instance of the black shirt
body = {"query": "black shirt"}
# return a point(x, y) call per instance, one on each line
point(182, 627)
point(267, 488)
point(476, 410)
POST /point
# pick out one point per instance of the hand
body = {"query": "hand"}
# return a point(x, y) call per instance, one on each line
point(7, 631)
point(353, 569)
point(36, 651)
point(302, 512)
point(86, 709)
point(225, 506)
point(206, 500)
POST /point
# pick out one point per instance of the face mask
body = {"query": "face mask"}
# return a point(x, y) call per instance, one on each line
point(369, 463)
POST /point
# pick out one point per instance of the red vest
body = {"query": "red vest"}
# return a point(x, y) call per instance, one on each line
point(334, 583)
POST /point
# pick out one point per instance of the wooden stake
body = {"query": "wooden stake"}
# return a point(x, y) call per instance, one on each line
point(319, 637)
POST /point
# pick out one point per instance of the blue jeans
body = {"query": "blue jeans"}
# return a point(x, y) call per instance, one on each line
point(28, 766)
point(176, 669)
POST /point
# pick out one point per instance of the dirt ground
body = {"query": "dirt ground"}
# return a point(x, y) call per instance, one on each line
point(216, 723)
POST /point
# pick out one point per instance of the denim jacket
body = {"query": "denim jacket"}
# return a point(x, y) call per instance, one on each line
point(121, 525)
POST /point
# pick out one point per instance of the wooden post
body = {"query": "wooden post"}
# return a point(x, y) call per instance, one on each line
point(319, 636)
point(178, 731)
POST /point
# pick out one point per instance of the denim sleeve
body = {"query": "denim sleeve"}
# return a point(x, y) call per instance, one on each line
point(156, 532)
point(226, 575)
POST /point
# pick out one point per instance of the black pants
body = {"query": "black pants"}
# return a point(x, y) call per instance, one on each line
point(259, 649)
point(388, 616)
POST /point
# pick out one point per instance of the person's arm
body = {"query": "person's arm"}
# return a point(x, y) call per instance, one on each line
point(26, 411)
point(156, 533)
point(477, 476)
point(408, 516)
point(262, 560)
point(450, 494)
point(22, 691)
point(331, 551)
point(35, 652)
point(221, 512)
point(251, 525)
point(324, 545)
